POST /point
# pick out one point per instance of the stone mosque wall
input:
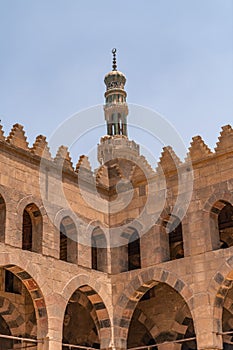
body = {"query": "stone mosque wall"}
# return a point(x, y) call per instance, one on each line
point(64, 280)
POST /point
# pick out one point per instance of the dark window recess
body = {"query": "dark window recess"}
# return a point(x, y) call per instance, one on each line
point(176, 242)
point(68, 241)
point(2, 219)
point(99, 250)
point(142, 190)
point(27, 231)
point(12, 283)
point(94, 252)
point(134, 260)
point(63, 244)
point(225, 226)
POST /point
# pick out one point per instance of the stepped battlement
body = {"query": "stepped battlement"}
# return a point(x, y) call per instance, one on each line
point(111, 147)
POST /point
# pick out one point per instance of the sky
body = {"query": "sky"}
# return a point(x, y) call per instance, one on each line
point(177, 56)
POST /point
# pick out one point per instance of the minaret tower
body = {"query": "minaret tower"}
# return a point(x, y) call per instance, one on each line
point(115, 109)
point(116, 144)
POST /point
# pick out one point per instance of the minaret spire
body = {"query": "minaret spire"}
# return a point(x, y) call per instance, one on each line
point(115, 108)
point(114, 64)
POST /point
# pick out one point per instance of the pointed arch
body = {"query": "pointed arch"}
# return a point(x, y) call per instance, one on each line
point(212, 208)
point(221, 221)
point(37, 297)
point(32, 229)
point(68, 240)
point(137, 290)
point(221, 287)
point(99, 250)
point(90, 295)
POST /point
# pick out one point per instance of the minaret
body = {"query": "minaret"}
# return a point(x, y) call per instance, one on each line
point(115, 108)
point(115, 144)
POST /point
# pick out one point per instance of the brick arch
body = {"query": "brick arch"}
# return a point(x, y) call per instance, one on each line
point(145, 280)
point(36, 295)
point(212, 238)
point(96, 295)
point(17, 319)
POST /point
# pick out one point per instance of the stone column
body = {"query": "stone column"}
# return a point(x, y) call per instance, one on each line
point(207, 338)
point(56, 308)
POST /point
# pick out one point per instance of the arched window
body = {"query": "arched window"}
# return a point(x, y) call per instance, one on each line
point(134, 258)
point(68, 241)
point(225, 225)
point(99, 250)
point(32, 229)
point(176, 245)
point(2, 219)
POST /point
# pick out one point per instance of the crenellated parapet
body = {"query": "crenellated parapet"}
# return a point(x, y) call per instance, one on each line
point(117, 146)
point(63, 158)
point(198, 149)
point(17, 137)
point(40, 147)
point(39, 151)
point(168, 161)
point(225, 142)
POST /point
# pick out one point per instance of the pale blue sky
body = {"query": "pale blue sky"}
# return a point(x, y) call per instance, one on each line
point(177, 56)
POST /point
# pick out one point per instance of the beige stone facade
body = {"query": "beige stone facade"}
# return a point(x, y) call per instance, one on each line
point(72, 274)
